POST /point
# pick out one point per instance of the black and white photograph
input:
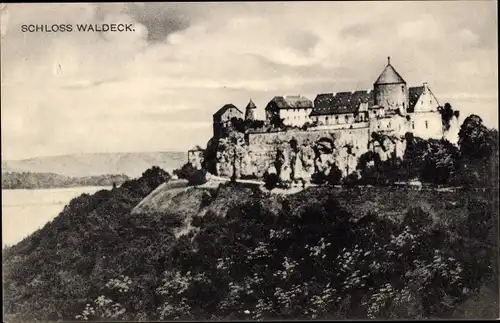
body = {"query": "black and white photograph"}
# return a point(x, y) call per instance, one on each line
point(256, 161)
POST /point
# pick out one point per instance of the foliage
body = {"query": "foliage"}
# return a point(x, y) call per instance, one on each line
point(332, 177)
point(277, 122)
point(194, 176)
point(155, 176)
point(210, 156)
point(440, 162)
point(271, 180)
point(475, 140)
point(447, 113)
point(149, 180)
point(55, 272)
point(310, 255)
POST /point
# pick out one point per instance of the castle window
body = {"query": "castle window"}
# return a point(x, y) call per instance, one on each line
point(326, 120)
point(346, 119)
point(426, 124)
point(413, 124)
point(402, 88)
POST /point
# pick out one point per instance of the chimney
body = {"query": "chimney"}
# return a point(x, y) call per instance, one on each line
point(425, 86)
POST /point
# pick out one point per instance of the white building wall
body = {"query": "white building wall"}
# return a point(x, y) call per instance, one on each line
point(398, 125)
point(295, 117)
point(334, 119)
point(426, 125)
point(427, 102)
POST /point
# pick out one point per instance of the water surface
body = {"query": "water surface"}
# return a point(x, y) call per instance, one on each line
point(25, 211)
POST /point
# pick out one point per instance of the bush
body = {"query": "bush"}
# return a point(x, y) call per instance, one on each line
point(475, 140)
point(191, 174)
point(271, 180)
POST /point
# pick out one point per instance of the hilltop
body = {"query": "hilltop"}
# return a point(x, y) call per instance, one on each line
point(92, 164)
point(150, 250)
point(200, 248)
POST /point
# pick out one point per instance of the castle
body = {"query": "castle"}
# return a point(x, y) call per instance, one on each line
point(348, 123)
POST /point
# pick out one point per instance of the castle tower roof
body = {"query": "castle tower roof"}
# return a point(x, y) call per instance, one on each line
point(251, 105)
point(389, 75)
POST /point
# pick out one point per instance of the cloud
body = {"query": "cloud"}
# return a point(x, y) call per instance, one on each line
point(160, 19)
point(141, 90)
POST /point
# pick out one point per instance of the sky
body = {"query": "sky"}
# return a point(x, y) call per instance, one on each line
point(155, 89)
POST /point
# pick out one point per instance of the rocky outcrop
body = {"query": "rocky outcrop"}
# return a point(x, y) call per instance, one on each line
point(296, 158)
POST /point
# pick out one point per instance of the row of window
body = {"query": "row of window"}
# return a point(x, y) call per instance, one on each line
point(426, 124)
point(296, 117)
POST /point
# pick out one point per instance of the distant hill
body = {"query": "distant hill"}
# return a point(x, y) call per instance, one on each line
point(27, 180)
point(81, 165)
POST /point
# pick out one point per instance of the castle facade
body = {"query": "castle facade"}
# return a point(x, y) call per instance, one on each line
point(348, 119)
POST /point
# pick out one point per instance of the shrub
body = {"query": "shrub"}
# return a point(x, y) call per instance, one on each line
point(194, 176)
point(271, 180)
point(475, 140)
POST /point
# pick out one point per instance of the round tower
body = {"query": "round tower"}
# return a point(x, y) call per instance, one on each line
point(250, 111)
point(390, 90)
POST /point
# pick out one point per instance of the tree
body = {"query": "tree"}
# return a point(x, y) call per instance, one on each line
point(155, 176)
point(238, 124)
point(370, 168)
point(271, 180)
point(210, 156)
point(474, 139)
point(276, 121)
point(447, 114)
point(334, 175)
point(194, 176)
point(440, 162)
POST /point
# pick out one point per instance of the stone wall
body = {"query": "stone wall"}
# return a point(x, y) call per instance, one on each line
point(304, 152)
point(308, 156)
point(391, 96)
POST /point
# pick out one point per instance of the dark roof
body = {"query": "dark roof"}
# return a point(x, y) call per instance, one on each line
point(413, 94)
point(389, 76)
point(342, 102)
point(251, 105)
point(196, 148)
point(226, 107)
point(291, 102)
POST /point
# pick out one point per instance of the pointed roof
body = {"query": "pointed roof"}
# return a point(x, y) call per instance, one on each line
point(389, 75)
point(226, 107)
point(414, 94)
point(251, 105)
point(290, 102)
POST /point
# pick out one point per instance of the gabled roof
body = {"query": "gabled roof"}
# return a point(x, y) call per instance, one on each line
point(226, 107)
point(342, 102)
point(389, 76)
point(414, 94)
point(291, 102)
point(196, 148)
point(251, 105)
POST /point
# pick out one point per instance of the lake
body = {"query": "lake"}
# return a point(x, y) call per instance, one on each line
point(25, 211)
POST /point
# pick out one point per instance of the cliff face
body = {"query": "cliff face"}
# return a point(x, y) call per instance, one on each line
point(296, 156)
